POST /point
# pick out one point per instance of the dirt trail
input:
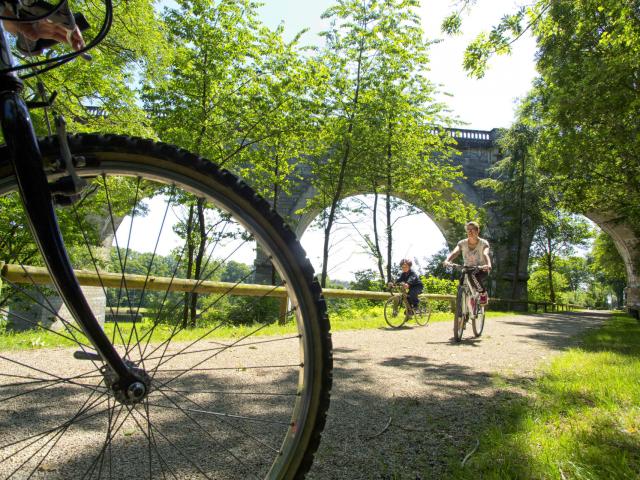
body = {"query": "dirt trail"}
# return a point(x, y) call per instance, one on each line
point(439, 395)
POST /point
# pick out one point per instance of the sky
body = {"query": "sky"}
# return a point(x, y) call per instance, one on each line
point(477, 104)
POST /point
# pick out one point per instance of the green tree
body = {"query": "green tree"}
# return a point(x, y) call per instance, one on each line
point(607, 266)
point(586, 97)
point(589, 104)
point(344, 66)
point(557, 236)
point(577, 272)
point(539, 284)
point(381, 122)
point(519, 190)
point(103, 95)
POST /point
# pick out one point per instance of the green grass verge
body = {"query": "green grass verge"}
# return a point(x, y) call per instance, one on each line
point(352, 319)
point(581, 420)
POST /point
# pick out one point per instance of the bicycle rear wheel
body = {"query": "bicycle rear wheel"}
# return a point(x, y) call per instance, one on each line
point(423, 313)
point(478, 321)
point(392, 314)
point(231, 396)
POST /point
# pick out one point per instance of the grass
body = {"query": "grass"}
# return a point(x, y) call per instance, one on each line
point(349, 319)
point(581, 419)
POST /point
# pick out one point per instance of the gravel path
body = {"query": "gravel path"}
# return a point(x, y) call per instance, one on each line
point(402, 401)
point(439, 395)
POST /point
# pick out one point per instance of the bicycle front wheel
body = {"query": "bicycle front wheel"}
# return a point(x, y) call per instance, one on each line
point(392, 314)
point(201, 287)
point(423, 313)
point(459, 316)
point(478, 321)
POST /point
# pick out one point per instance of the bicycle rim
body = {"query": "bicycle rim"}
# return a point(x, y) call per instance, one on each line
point(478, 322)
point(230, 396)
point(423, 315)
point(392, 314)
point(458, 321)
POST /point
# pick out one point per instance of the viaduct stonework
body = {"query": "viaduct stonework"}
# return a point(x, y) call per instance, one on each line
point(479, 151)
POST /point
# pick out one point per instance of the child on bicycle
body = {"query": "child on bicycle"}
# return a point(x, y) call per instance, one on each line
point(410, 281)
point(475, 253)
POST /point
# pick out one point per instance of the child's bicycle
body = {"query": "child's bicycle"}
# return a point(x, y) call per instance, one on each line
point(398, 310)
point(468, 305)
point(156, 398)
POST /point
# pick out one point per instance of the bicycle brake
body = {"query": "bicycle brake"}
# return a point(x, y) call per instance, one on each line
point(66, 190)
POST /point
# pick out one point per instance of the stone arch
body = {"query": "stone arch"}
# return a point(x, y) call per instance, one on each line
point(478, 151)
point(301, 223)
point(627, 243)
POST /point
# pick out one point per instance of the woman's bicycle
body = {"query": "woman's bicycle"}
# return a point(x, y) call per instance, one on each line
point(468, 305)
point(183, 392)
point(398, 310)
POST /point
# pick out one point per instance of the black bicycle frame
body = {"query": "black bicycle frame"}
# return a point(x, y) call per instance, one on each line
point(33, 186)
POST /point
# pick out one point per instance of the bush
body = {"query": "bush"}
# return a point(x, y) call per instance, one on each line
point(440, 286)
point(241, 311)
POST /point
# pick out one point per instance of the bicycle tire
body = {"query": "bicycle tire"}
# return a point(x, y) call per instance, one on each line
point(392, 314)
point(458, 319)
point(423, 315)
point(478, 322)
point(272, 424)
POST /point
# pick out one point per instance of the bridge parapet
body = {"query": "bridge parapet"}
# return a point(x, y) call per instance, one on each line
point(474, 138)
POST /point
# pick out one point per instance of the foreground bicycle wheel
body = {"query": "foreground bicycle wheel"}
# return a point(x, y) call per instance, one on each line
point(230, 397)
point(478, 322)
point(393, 315)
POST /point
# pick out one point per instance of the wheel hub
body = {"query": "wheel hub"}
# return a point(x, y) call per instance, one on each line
point(130, 394)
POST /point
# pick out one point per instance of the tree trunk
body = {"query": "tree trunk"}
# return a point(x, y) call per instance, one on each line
point(190, 250)
point(376, 237)
point(202, 242)
point(337, 194)
point(276, 193)
point(516, 272)
point(552, 293)
point(335, 200)
point(388, 227)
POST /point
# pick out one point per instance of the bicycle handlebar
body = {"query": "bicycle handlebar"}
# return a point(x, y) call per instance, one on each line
point(466, 268)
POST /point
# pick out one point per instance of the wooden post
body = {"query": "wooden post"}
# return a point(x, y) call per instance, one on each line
point(1, 268)
point(282, 316)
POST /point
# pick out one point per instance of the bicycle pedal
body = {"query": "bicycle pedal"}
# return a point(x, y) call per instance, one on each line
point(82, 355)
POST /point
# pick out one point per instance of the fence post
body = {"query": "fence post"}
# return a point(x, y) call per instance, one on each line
point(282, 316)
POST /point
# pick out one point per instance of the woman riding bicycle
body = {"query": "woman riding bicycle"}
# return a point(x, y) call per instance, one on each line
point(475, 253)
point(410, 281)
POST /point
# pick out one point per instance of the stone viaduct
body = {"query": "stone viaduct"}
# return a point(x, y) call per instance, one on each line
point(479, 151)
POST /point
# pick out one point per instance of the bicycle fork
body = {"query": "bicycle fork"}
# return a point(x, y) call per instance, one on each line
point(129, 384)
